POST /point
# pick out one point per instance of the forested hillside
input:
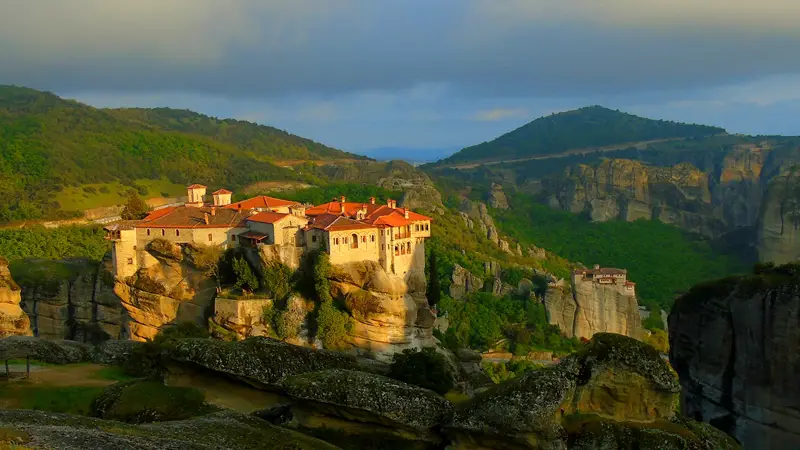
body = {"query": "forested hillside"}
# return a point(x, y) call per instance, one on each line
point(583, 128)
point(47, 143)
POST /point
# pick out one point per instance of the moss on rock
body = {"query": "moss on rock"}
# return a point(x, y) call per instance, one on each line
point(52, 352)
point(260, 361)
point(384, 399)
point(148, 401)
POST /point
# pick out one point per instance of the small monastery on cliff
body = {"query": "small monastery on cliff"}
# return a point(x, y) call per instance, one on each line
point(348, 231)
point(604, 276)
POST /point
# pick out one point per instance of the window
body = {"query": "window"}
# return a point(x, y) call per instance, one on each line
point(210, 237)
point(353, 241)
point(396, 251)
point(372, 238)
point(148, 231)
point(336, 241)
point(177, 232)
point(130, 261)
point(163, 232)
point(364, 239)
point(408, 247)
point(344, 240)
point(313, 239)
point(233, 238)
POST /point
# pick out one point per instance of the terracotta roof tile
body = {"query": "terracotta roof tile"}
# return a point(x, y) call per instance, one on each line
point(267, 217)
point(259, 202)
point(222, 191)
point(190, 217)
point(196, 186)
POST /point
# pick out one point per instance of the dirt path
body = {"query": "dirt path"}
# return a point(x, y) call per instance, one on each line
point(68, 375)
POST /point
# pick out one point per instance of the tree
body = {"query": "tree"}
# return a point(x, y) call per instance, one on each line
point(245, 278)
point(277, 280)
point(333, 325)
point(135, 208)
point(207, 258)
point(434, 286)
point(425, 368)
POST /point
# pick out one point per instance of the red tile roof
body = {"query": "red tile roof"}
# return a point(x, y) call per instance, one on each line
point(191, 217)
point(262, 201)
point(222, 191)
point(373, 211)
point(266, 217)
point(332, 222)
point(393, 220)
point(196, 186)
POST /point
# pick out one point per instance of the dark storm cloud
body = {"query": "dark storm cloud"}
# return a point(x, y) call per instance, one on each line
point(250, 49)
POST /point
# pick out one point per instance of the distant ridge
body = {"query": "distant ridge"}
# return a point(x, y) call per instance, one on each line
point(588, 127)
point(48, 143)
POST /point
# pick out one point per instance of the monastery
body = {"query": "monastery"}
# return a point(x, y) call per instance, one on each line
point(604, 276)
point(348, 231)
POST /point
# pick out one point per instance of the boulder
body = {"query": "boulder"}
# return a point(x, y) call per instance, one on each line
point(614, 387)
point(114, 352)
point(463, 282)
point(364, 406)
point(497, 198)
point(259, 361)
point(148, 401)
point(734, 343)
point(525, 287)
point(53, 352)
point(225, 430)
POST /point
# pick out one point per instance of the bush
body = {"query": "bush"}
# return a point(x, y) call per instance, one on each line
point(287, 322)
point(333, 325)
point(104, 189)
point(501, 372)
point(277, 280)
point(425, 368)
point(90, 189)
point(245, 278)
point(135, 208)
point(148, 401)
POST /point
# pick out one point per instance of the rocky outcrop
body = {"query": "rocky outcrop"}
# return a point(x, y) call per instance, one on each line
point(48, 351)
point(390, 313)
point(72, 299)
point(225, 430)
point(257, 361)
point(734, 343)
point(578, 404)
point(359, 406)
point(13, 320)
point(144, 401)
point(463, 282)
point(496, 197)
point(169, 288)
point(778, 229)
point(592, 308)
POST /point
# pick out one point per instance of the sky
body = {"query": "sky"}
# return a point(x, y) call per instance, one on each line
point(365, 74)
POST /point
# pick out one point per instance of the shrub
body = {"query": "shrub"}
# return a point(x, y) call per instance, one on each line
point(90, 189)
point(425, 368)
point(104, 189)
point(362, 304)
point(277, 280)
point(245, 278)
point(321, 270)
point(135, 208)
point(287, 322)
point(333, 325)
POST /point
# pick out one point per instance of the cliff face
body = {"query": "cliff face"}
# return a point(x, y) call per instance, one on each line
point(750, 187)
point(735, 344)
point(13, 320)
point(72, 299)
point(592, 308)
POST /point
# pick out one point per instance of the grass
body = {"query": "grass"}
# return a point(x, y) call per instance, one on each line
point(62, 399)
point(79, 198)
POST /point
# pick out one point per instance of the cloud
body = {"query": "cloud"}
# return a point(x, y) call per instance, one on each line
point(493, 115)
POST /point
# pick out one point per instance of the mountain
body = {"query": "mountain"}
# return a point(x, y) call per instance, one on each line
point(48, 143)
point(412, 155)
point(581, 129)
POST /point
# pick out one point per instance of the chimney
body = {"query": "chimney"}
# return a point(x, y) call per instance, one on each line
point(342, 199)
point(372, 200)
point(213, 211)
point(391, 204)
point(205, 218)
point(342, 204)
point(405, 212)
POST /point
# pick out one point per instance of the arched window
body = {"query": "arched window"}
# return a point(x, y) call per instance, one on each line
point(408, 247)
point(396, 251)
point(177, 232)
point(148, 231)
point(372, 238)
point(364, 239)
point(210, 237)
point(353, 241)
point(163, 232)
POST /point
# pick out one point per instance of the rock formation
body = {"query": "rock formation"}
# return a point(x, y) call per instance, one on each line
point(72, 299)
point(735, 344)
point(13, 320)
point(579, 404)
point(496, 197)
point(390, 313)
point(463, 282)
point(586, 308)
point(778, 229)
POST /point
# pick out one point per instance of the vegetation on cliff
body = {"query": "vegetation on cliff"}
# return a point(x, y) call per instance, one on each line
point(53, 243)
point(662, 259)
point(426, 368)
point(583, 128)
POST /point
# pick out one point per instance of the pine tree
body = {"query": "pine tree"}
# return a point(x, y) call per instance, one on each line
point(245, 279)
point(434, 287)
point(135, 207)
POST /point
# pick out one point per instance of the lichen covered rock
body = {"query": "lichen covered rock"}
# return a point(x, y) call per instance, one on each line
point(219, 431)
point(53, 352)
point(259, 361)
point(114, 352)
point(613, 392)
point(148, 401)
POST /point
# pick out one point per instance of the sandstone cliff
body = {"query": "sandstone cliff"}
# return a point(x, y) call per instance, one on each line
point(71, 299)
point(583, 311)
point(13, 320)
point(735, 344)
point(778, 230)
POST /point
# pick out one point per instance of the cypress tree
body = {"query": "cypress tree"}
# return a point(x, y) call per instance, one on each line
point(434, 288)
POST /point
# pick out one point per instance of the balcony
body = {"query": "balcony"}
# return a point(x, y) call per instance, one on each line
point(402, 235)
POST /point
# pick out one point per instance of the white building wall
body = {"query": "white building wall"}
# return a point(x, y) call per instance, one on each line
point(343, 252)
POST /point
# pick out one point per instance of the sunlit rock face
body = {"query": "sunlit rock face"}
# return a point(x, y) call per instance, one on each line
point(13, 320)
